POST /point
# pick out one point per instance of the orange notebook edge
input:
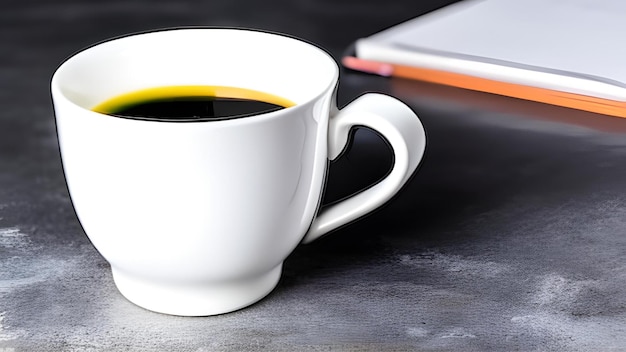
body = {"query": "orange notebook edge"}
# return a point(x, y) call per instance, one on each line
point(543, 95)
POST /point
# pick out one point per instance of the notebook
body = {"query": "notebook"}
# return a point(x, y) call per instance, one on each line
point(561, 52)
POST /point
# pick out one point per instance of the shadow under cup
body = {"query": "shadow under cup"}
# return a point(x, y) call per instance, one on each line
point(195, 218)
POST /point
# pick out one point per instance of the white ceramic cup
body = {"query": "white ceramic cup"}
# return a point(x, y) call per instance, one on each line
point(196, 218)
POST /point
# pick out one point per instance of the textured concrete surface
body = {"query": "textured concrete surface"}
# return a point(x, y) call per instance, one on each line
point(511, 237)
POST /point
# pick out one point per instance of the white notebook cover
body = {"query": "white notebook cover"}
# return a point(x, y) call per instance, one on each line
point(574, 46)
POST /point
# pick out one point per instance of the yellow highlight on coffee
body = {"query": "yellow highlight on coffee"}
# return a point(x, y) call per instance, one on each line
point(192, 101)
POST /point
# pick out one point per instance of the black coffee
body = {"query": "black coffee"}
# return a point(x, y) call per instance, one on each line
point(197, 108)
point(192, 103)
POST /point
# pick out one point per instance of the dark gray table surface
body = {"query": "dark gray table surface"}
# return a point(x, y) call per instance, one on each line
point(510, 237)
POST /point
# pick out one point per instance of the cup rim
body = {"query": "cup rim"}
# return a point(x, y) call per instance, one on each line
point(56, 90)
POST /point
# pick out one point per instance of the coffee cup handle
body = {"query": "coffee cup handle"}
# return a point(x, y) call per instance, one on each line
point(404, 132)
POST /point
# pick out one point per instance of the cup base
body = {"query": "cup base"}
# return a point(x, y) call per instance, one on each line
point(201, 299)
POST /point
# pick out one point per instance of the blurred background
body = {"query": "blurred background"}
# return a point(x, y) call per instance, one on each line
point(509, 237)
